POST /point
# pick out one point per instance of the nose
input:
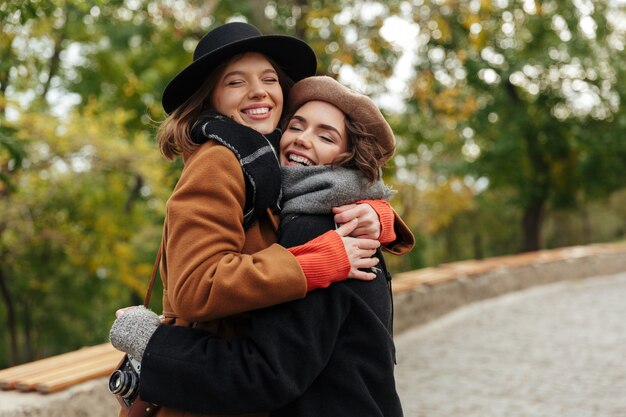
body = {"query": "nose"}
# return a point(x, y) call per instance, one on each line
point(303, 140)
point(257, 90)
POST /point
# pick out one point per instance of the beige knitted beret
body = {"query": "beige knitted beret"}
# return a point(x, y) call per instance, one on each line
point(358, 107)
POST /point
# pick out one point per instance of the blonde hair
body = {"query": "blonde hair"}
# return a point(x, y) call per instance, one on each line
point(174, 133)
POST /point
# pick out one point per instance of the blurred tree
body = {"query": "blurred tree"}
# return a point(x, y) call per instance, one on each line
point(532, 93)
point(78, 230)
point(82, 189)
point(118, 53)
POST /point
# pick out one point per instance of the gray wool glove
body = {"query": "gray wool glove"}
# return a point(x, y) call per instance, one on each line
point(132, 330)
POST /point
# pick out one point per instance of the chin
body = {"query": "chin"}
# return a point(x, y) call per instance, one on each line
point(262, 129)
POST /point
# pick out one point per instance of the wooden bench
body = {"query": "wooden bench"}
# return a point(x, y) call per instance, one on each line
point(62, 371)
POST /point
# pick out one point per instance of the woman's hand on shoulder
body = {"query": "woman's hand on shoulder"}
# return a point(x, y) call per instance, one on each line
point(360, 251)
point(368, 225)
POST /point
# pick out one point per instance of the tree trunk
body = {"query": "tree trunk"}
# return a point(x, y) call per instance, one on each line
point(537, 190)
point(538, 181)
point(477, 243)
point(11, 319)
point(453, 251)
point(257, 14)
point(134, 195)
point(301, 23)
point(3, 107)
point(587, 229)
point(55, 59)
point(53, 66)
point(531, 223)
point(6, 55)
point(28, 354)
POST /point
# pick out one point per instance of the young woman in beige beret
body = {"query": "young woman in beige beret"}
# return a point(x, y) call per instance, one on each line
point(329, 354)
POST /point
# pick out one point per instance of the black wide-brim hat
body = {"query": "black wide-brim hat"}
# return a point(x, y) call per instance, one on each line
point(294, 57)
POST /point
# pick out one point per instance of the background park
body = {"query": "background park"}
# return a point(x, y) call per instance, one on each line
point(509, 118)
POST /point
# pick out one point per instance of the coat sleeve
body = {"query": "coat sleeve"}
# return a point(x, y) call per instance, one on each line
point(404, 237)
point(285, 349)
point(207, 275)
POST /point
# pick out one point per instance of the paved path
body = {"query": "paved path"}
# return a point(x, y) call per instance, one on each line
point(553, 351)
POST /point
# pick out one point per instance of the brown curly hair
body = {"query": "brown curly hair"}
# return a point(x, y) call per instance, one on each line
point(364, 153)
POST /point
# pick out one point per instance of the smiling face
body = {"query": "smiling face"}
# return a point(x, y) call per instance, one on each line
point(249, 92)
point(316, 135)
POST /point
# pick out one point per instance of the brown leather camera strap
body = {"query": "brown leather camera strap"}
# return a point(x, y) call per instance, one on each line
point(155, 269)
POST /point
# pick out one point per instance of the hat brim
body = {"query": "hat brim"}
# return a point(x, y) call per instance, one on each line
point(294, 57)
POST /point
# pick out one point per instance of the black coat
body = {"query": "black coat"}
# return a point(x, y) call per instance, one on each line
point(329, 354)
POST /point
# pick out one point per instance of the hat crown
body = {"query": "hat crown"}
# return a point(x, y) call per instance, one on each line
point(223, 36)
point(292, 55)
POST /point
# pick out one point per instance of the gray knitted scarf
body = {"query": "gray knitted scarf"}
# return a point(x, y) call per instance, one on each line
point(317, 189)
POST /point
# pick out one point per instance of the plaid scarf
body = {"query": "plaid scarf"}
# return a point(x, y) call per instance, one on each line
point(256, 154)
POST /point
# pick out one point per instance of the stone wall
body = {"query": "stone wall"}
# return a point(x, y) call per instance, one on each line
point(423, 295)
point(89, 399)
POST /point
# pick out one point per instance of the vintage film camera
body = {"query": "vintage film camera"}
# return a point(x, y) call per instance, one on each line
point(124, 384)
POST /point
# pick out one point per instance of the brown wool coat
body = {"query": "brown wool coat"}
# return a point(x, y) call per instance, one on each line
point(212, 269)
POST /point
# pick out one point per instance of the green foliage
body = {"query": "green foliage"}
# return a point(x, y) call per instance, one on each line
point(81, 229)
point(513, 115)
point(532, 88)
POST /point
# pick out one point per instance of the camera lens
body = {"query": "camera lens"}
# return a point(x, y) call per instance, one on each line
point(123, 383)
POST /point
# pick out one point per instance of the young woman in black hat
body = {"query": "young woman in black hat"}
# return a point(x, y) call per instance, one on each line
point(330, 354)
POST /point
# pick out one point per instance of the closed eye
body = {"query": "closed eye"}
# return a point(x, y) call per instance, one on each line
point(295, 126)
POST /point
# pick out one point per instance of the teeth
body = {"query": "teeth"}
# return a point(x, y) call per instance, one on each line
point(300, 159)
point(258, 111)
